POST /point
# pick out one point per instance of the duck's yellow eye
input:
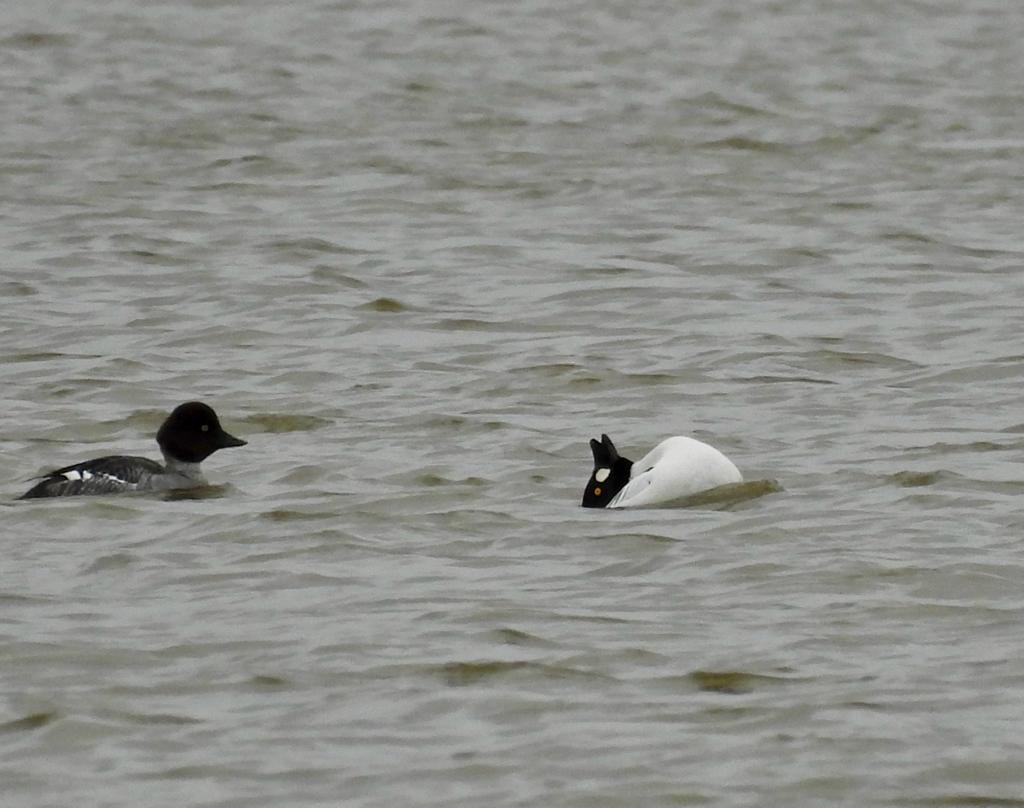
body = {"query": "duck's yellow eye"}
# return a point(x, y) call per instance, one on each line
point(597, 491)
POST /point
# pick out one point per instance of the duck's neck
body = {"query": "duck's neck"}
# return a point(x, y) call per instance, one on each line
point(189, 470)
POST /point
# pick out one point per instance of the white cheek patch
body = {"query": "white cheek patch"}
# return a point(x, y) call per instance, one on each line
point(602, 474)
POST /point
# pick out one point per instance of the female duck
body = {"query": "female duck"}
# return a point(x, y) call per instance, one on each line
point(190, 434)
point(675, 468)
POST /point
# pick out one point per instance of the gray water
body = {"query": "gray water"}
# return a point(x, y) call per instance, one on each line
point(418, 253)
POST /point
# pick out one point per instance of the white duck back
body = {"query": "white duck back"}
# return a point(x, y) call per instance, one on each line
point(677, 467)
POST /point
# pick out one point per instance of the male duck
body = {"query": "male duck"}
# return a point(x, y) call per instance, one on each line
point(675, 468)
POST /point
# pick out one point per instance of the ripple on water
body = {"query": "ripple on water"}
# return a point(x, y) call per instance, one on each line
point(28, 722)
point(423, 257)
point(280, 422)
point(464, 674)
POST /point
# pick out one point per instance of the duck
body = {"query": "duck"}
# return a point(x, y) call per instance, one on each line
point(190, 434)
point(677, 467)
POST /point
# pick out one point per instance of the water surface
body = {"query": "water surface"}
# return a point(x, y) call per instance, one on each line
point(418, 254)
